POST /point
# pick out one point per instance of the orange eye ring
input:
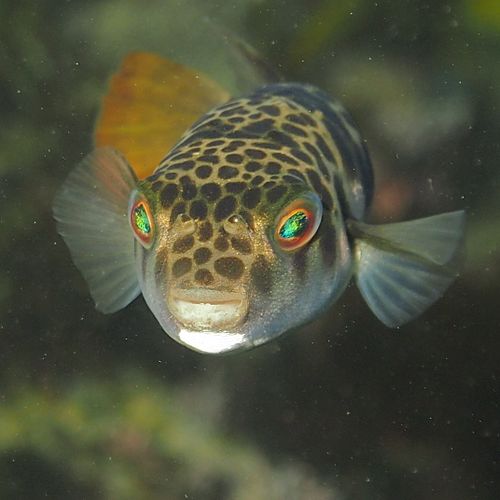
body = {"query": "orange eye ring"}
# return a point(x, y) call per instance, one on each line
point(142, 222)
point(298, 223)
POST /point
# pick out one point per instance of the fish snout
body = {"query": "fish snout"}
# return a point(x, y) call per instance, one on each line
point(208, 309)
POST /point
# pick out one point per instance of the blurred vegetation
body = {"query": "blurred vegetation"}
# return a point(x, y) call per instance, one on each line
point(93, 406)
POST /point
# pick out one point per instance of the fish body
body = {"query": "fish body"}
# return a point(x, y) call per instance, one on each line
point(251, 225)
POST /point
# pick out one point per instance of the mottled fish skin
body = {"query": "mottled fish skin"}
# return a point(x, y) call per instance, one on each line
point(216, 195)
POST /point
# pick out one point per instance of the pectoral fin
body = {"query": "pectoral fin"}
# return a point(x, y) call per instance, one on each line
point(91, 213)
point(402, 268)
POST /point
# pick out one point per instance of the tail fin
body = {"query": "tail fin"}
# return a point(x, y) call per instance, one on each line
point(91, 213)
point(402, 268)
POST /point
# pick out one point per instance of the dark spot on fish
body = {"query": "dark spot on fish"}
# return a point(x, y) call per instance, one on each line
point(234, 158)
point(239, 110)
point(204, 171)
point(217, 142)
point(253, 166)
point(314, 179)
point(227, 172)
point(301, 156)
point(261, 274)
point(202, 255)
point(184, 165)
point(205, 231)
point(269, 184)
point(211, 191)
point(283, 139)
point(198, 210)
point(273, 168)
point(323, 147)
point(209, 158)
point(267, 145)
point(168, 195)
point(229, 267)
point(257, 180)
point(156, 186)
point(285, 159)
point(255, 154)
point(232, 146)
point(235, 187)
point(274, 194)
point(241, 245)
point(203, 277)
point(258, 128)
point(202, 134)
point(171, 175)
point(184, 155)
point(183, 244)
point(308, 119)
point(221, 244)
point(297, 119)
point(319, 160)
point(294, 130)
point(224, 208)
point(236, 119)
point(181, 267)
point(188, 188)
point(269, 109)
point(251, 198)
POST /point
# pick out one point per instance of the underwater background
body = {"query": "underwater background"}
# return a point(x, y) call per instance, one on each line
point(109, 407)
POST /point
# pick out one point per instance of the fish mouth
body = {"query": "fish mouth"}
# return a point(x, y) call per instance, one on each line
point(204, 309)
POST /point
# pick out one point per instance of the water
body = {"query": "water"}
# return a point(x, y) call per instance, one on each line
point(97, 406)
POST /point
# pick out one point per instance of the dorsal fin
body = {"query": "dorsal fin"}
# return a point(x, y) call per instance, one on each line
point(151, 102)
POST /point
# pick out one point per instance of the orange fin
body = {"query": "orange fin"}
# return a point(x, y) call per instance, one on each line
point(151, 102)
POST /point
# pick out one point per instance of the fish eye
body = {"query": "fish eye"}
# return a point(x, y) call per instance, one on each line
point(142, 221)
point(298, 223)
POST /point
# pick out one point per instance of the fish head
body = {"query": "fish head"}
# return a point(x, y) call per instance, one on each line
point(223, 277)
point(230, 265)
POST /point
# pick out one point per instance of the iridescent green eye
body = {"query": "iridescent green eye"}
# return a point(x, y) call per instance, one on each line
point(295, 225)
point(141, 221)
point(298, 223)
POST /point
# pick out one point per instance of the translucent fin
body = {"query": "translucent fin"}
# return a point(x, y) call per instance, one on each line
point(91, 213)
point(263, 72)
point(151, 102)
point(402, 268)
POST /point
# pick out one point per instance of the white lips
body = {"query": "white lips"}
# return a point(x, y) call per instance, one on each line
point(201, 309)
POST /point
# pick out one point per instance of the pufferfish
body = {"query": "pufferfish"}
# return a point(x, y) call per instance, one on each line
point(239, 219)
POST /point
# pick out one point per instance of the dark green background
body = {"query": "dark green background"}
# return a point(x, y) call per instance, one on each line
point(95, 406)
